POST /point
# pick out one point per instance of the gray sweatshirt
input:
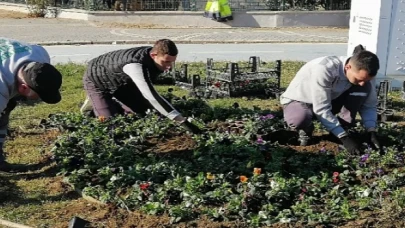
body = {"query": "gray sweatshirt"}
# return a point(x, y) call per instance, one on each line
point(319, 82)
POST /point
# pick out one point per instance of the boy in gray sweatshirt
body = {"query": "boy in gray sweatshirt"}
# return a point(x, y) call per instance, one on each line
point(25, 71)
point(332, 85)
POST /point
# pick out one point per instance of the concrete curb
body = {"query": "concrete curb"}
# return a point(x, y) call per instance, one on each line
point(114, 42)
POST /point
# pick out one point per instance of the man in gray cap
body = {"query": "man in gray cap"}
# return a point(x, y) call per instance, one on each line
point(332, 85)
point(25, 71)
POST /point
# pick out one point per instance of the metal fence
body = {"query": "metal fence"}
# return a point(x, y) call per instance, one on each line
point(194, 5)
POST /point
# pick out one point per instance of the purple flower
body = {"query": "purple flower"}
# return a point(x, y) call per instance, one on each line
point(322, 150)
point(260, 141)
point(364, 158)
point(268, 116)
point(380, 171)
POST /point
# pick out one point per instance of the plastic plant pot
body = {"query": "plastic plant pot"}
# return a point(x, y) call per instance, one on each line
point(385, 115)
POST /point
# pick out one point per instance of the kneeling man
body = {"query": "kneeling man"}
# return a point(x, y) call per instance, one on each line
point(333, 85)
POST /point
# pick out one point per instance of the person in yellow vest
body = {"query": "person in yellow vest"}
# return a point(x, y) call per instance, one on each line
point(218, 10)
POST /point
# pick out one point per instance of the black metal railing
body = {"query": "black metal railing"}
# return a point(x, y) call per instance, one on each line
point(196, 5)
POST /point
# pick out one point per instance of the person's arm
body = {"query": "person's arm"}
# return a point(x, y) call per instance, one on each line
point(321, 89)
point(368, 110)
point(368, 113)
point(136, 73)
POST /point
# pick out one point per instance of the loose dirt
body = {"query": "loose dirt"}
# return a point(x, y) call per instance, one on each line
point(173, 143)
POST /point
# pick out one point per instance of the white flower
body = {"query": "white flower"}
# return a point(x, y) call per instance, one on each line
point(273, 184)
point(114, 178)
point(285, 220)
point(366, 192)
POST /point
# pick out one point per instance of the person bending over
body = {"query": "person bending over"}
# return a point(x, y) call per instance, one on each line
point(25, 72)
point(125, 77)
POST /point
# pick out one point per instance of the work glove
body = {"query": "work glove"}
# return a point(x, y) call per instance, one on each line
point(351, 146)
point(373, 140)
point(188, 126)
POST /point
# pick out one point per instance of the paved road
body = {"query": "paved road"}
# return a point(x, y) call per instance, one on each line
point(200, 52)
point(64, 31)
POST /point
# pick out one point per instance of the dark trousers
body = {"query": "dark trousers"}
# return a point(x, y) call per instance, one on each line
point(120, 102)
point(299, 115)
point(4, 122)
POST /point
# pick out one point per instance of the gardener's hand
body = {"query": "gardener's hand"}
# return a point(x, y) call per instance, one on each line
point(373, 140)
point(188, 126)
point(351, 146)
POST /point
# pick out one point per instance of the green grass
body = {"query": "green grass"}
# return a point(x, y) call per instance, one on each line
point(39, 198)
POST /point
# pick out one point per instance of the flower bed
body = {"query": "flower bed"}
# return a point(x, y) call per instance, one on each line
point(238, 170)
